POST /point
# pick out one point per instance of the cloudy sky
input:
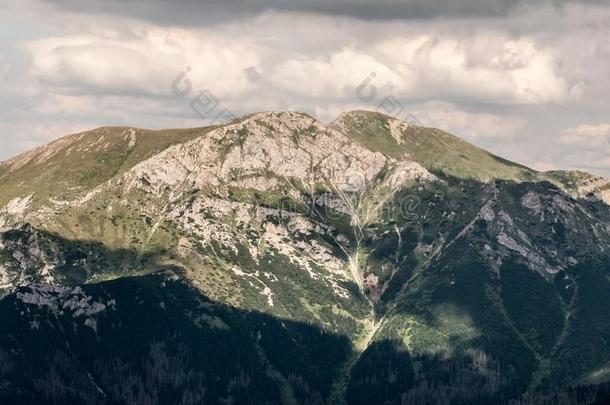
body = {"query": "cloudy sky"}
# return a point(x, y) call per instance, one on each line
point(529, 80)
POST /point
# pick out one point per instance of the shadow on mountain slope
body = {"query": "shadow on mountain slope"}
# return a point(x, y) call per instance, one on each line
point(155, 339)
point(26, 251)
point(506, 302)
point(464, 328)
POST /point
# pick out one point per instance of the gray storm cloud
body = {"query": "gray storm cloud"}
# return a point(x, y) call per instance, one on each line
point(196, 12)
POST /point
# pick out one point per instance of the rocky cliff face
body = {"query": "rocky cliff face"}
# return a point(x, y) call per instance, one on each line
point(442, 272)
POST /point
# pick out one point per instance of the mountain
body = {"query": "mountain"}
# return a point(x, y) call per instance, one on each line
point(275, 259)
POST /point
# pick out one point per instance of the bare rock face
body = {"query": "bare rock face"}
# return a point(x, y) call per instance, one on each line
point(285, 145)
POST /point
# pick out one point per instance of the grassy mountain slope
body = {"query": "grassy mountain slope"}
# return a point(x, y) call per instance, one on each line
point(436, 150)
point(79, 162)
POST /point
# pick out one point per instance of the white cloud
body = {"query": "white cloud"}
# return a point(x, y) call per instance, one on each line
point(509, 84)
point(335, 76)
point(585, 147)
point(142, 63)
point(473, 126)
point(587, 136)
point(486, 67)
point(433, 67)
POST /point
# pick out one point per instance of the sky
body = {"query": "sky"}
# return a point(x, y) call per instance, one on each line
point(528, 80)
